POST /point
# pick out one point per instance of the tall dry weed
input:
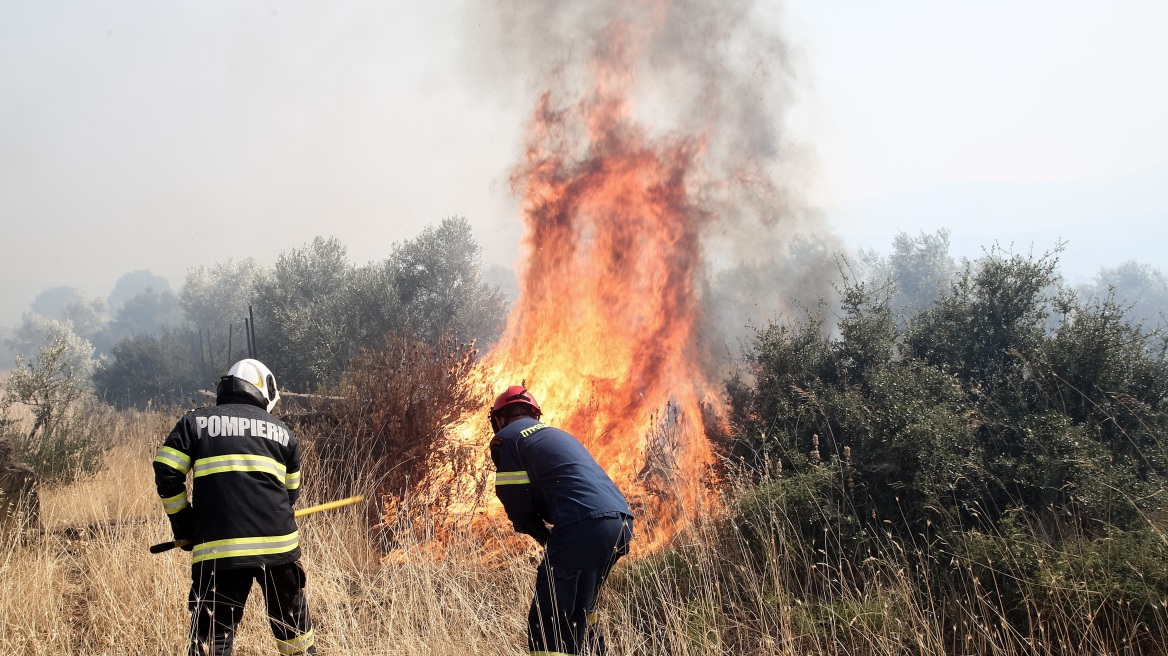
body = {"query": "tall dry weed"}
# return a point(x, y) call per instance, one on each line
point(396, 400)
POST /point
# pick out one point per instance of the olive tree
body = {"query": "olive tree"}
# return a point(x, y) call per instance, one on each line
point(1140, 288)
point(304, 314)
point(440, 285)
point(215, 301)
point(50, 385)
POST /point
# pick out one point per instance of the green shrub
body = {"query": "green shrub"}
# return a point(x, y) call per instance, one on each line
point(55, 387)
point(148, 369)
point(1007, 438)
point(70, 448)
point(1077, 590)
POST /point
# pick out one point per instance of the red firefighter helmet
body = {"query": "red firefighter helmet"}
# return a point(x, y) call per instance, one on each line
point(513, 395)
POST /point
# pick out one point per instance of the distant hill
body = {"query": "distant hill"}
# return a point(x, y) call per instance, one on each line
point(1105, 222)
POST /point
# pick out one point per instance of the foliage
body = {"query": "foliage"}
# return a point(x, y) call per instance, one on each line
point(150, 369)
point(57, 446)
point(87, 317)
point(1111, 586)
point(134, 283)
point(812, 510)
point(981, 329)
point(307, 324)
point(29, 337)
point(916, 272)
point(146, 313)
point(139, 307)
point(746, 296)
point(215, 300)
point(1140, 288)
point(52, 302)
point(439, 281)
point(315, 310)
point(502, 278)
point(8, 349)
point(1005, 403)
point(62, 366)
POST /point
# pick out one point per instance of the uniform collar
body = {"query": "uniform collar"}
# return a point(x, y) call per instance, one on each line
point(517, 427)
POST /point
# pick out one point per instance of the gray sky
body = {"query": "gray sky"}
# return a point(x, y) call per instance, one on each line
point(164, 135)
point(1016, 121)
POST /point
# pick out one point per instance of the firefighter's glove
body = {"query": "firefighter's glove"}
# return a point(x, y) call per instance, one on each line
point(182, 525)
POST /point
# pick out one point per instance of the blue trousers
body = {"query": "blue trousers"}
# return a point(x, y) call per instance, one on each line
point(575, 564)
point(218, 596)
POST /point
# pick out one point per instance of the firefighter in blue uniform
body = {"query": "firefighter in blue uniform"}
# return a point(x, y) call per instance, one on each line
point(239, 524)
point(544, 476)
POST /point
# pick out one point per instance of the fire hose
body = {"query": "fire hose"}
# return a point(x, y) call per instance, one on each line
point(167, 546)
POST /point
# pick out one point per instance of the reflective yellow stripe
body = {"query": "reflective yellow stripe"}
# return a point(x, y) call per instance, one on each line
point(260, 546)
point(239, 462)
point(292, 481)
point(297, 645)
point(174, 459)
point(512, 478)
point(176, 503)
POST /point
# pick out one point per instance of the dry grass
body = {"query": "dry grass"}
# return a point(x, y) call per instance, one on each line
point(88, 585)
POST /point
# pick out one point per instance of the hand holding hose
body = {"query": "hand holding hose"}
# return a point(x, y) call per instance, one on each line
point(167, 546)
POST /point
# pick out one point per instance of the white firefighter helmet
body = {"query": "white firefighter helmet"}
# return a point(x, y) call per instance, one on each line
point(255, 375)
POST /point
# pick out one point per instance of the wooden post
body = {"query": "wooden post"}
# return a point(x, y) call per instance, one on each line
point(255, 349)
point(202, 359)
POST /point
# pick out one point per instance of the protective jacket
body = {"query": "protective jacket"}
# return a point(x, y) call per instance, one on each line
point(245, 467)
point(545, 476)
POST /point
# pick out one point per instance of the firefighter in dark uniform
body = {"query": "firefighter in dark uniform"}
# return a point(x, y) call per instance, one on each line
point(544, 476)
point(239, 523)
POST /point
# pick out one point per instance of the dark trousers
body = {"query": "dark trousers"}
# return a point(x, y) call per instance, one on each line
point(576, 563)
point(217, 599)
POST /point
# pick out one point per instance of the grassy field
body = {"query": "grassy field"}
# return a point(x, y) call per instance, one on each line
point(87, 585)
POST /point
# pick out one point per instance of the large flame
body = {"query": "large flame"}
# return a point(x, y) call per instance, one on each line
point(604, 331)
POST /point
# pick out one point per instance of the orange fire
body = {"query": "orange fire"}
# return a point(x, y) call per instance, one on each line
point(605, 330)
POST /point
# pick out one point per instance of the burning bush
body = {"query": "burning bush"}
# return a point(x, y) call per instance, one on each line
point(398, 398)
